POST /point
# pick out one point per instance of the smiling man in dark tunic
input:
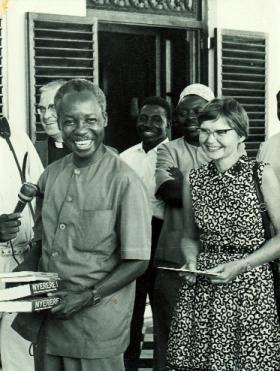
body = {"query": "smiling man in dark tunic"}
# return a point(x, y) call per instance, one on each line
point(94, 224)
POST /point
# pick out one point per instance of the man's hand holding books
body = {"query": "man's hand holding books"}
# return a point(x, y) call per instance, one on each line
point(70, 302)
point(29, 291)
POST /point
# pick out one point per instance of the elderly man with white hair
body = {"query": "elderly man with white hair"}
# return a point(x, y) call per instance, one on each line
point(174, 159)
point(52, 148)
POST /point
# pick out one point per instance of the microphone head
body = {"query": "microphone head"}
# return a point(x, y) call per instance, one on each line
point(27, 192)
point(5, 130)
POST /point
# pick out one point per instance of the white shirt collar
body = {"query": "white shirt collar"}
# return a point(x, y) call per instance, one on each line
point(140, 145)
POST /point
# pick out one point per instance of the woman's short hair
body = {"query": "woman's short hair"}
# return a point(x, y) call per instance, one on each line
point(231, 110)
point(80, 85)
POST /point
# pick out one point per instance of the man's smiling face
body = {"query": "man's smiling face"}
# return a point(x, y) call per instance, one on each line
point(152, 124)
point(82, 123)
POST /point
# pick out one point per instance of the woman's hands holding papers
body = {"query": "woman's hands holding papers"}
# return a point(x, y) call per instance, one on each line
point(227, 271)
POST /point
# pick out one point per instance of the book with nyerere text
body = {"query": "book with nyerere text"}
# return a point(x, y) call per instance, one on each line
point(29, 305)
point(29, 289)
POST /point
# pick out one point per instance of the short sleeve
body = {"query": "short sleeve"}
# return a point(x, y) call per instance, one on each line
point(165, 160)
point(135, 220)
point(260, 154)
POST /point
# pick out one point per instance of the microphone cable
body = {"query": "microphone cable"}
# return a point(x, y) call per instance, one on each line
point(13, 253)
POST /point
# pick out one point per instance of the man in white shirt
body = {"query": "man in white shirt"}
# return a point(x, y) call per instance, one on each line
point(270, 150)
point(15, 235)
point(152, 125)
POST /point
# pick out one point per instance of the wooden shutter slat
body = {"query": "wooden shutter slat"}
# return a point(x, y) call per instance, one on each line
point(244, 61)
point(244, 99)
point(75, 32)
point(250, 84)
point(249, 92)
point(62, 68)
point(244, 69)
point(63, 77)
point(256, 122)
point(64, 49)
point(233, 75)
point(58, 39)
point(243, 53)
point(243, 39)
point(62, 58)
point(256, 130)
point(245, 46)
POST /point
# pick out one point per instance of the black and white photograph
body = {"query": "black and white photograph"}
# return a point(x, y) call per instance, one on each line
point(140, 185)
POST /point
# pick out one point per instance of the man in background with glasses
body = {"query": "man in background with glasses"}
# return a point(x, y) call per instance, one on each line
point(53, 148)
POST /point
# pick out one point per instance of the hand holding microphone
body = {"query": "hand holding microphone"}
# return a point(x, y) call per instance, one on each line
point(26, 194)
point(10, 223)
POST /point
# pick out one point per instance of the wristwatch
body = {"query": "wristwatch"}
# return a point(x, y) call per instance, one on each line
point(95, 297)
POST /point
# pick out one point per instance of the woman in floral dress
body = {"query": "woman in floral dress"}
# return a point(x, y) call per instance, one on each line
point(227, 322)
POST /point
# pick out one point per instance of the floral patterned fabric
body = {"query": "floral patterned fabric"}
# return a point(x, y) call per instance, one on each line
point(231, 327)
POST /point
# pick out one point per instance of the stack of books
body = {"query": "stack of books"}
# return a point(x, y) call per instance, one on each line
point(30, 291)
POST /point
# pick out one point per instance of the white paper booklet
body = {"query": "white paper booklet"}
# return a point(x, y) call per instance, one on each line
point(204, 273)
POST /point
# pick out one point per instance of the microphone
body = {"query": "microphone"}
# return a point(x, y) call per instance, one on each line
point(26, 194)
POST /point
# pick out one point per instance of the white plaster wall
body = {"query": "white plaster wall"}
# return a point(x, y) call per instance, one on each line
point(253, 15)
point(16, 49)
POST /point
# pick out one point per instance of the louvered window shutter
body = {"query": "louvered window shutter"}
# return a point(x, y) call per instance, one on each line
point(241, 73)
point(60, 47)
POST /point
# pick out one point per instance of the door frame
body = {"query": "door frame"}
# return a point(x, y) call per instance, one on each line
point(156, 20)
point(161, 21)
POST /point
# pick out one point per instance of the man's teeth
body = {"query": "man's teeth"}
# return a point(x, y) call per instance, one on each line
point(83, 144)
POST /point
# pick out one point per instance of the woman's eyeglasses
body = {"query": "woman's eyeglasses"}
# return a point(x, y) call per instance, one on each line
point(205, 133)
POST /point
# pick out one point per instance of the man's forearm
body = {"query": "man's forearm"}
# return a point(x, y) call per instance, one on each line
point(74, 301)
point(171, 193)
point(121, 276)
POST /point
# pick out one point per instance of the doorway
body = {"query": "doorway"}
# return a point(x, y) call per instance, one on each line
point(136, 62)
